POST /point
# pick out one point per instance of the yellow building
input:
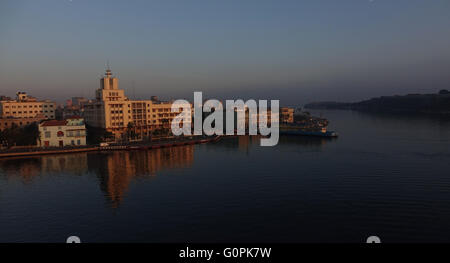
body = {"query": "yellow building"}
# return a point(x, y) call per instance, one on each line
point(26, 107)
point(113, 111)
point(286, 115)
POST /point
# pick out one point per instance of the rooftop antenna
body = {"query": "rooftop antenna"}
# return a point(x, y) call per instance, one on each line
point(134, 90)
point(108, 69)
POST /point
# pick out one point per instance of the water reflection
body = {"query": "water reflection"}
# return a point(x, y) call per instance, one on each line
point(306, 141)
point(28, 168)
point(246, 143)
point(383, 175)
point(116, 170)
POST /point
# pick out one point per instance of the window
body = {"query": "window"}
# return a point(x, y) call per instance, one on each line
point(78, 142)
point(47, 134)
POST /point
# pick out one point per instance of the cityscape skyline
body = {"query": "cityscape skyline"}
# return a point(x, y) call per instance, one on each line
point(294, 52)
point(224, 130)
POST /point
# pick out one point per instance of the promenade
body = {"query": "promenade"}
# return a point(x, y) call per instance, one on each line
point(142, 145)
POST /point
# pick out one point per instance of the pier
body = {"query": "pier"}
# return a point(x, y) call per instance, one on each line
point(35, 151)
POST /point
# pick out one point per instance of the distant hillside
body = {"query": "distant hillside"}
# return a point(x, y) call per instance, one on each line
point(431, 103)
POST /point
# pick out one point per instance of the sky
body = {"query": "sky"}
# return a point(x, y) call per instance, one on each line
point(294, 51)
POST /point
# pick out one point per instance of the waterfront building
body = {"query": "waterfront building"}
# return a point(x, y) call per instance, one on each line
point(26, 107)
point(286, 115)
point(116, 113)
point(60, 133)
point(7, 123)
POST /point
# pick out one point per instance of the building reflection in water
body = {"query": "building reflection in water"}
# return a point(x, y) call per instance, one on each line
point(29, 168)
point(248, 143)
point(115, 170)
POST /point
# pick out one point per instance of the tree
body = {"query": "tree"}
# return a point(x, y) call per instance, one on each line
point(96, 135)
point(3, 141)
point(20, 136)
point(131, 133)
point(166, 127)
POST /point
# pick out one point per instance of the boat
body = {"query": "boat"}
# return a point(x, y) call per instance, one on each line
point(299, 132)
point(307, 125)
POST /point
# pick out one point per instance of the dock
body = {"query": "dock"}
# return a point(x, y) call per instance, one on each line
point(121, 147)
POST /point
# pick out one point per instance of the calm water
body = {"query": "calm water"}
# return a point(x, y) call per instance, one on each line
point(386, 175)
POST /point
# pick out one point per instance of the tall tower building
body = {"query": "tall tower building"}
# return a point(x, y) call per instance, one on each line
point(113, 111)
point(109, 88)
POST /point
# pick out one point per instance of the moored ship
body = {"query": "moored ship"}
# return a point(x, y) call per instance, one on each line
point(295, 130)
point(307, 125)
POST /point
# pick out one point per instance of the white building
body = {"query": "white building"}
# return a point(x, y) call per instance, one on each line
point(69, 132)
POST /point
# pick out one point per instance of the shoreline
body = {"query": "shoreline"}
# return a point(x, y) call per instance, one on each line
point(385, 111)
point(128, 147)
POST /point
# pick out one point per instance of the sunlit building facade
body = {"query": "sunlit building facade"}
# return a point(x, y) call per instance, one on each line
point(286, 115)
point(25, 106)
point(61, 133)
point(113, 111)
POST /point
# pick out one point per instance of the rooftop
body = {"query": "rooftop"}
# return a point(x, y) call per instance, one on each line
point(74, 117)
point(53, 123)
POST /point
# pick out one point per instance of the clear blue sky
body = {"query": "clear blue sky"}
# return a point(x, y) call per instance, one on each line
point(295, 51)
